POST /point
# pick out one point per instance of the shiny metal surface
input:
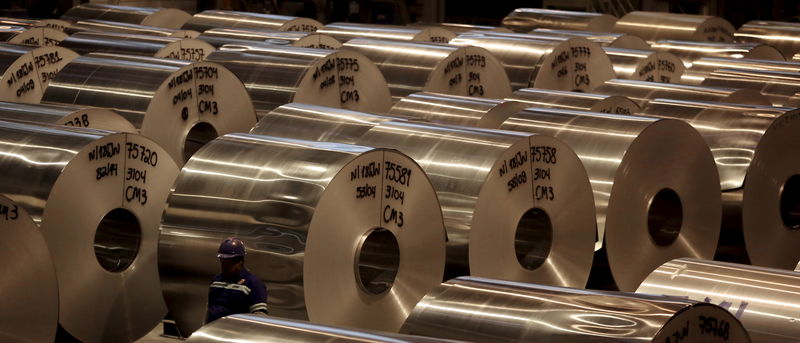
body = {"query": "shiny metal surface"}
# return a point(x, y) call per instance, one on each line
point(221, 36)
point(38, 36)
point(179, 104)
point(30, 289)
point(211, 19)
point(458, 110)
point(46, 169)
point(296, 205)
point(781, 88)
point(544, 61)
point(170, 18)
point(27, 71)
point(654, 26)
point(643, 92)
point(9, 31)
point(485, 310)
point(706, 65)
point(75, 116)
point(187, 49)
point(485, 212)
point(277, 75)
point(782, 35)
point(575, 101)
point(527, 19)
point(645, 65)
point(606, 39)
point(460, 28)
point(763, 299)
point(411, 67)
point(689, 52)
point(251, 329)
point(94, 25)
point(346, 31)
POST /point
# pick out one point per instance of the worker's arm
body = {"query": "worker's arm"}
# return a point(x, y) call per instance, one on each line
point(258, 298)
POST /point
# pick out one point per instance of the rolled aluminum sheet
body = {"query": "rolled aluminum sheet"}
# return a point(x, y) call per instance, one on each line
point(485, 310)
point(484, 192)
point(170, 18)
point(57, 24)
point(575, 101)
point(221, 36)
point(211, 19)
point(243, 328)
point(315, 219)
point(782, 35)
point(75, 116)
point(180, 105)
point(27, 71)
point(527, 19)
point(187, 49)
point(606, 39)
point(763, 299)
point(9, 31)
point(347, 31)
point(277, 75)
point(654, 26)
point(701, 68)
point(30, 289)
point(781, 88)
point(643, 92)
point(463, 110)
point(37, 36)
point(545, 61)
point(689, 52)
point(645, 65)
point(796, 58)
point(94, 25)
point(460, 28)
point(98, 197)
point(754, 147)
point(411, 67)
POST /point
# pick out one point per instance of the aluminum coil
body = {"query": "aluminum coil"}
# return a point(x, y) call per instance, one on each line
point(460, 28)
point(781, 88)
point(75, 116)
point(277, 75)
point(575, 101)
point(643, 92)
point(315, 219)
point(689, 52)
point(57, 24)
point(485, 310)
point(545, 61)
point(98, 198)
point(27, 71)
point(347, 31)
point(606, 39)
point(94, 25)
point(211, 19)
point(501, 221)
point(782, 35)
point(754, 147)
point(465, 111)
point(243, 328)
point(221, 36)
point(187, 49)
point(37, 36)
point(701, 68)
point(179, 104)
point(170, 18)
point(526, 19)
point(645, 65)
point(411, 67)
point(30, 290)
point(654, 26)
point(763, 299)
point(8, 31)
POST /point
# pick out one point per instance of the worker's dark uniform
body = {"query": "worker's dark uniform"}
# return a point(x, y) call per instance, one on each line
point(244, 293)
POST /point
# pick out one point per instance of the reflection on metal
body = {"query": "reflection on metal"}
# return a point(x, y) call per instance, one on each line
point(544, 61)
point(460, 28)
point(252, 329)
point(689, 52)
point(30, 290)
point(458, 110)
point(32, 36)
point(42, 65)
point(643, 92)
point(187, 49)
point(94, 25)
point(217, 19)
point(756, 144)
point(784, 36)
point(76, 116)
point(170, 18)
point(654, 26)
point(527, 19)
point(221, 36)
point(645, 65)
point(575, 101)
point(57, 24)
point(68, 180)
point(347, 31)
point(606, 39)
point(307, 212)
point(484, 310)
point(706, 65)
point(8, 31)
point(765, 300)
point(782, 88)
point(497, 226)
point(411, 67)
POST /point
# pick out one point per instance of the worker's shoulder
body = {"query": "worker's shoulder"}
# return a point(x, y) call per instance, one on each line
point(251, 278)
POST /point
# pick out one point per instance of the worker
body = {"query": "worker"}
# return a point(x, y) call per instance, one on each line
point(235, 289)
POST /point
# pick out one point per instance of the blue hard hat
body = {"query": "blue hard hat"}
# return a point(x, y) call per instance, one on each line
point(230, 248)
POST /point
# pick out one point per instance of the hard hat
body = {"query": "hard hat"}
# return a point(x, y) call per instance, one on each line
point(230, 248)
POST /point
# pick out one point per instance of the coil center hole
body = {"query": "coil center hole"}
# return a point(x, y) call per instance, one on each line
point(790, 203)
point(533, 238)
point(117, 239)
point(200, 134)
point(665, 217)
point(377, 261)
